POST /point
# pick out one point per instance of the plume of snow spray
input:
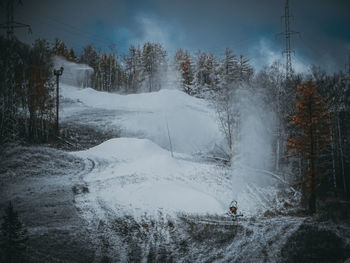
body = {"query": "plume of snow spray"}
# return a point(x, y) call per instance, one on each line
point(251, 186)
point(74, 74)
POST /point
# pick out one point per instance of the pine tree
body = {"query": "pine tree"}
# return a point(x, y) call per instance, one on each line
point(271, 80)
point(187, 73)
point(178, 58)
point(13, 238)
point(244, 71)
point(133, 70)
point(90, 57)
point(13, 62)
point(229, 65)
point(105, 72)
point(313, 133)
point(71, 56)
point(153, 65)
point(60, 49)
point(39, 90)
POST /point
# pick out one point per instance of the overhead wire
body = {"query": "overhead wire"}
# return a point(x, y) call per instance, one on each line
point(73, 30)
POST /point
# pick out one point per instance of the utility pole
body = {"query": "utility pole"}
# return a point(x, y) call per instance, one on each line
point(58, 73)
point(11, 24)
point(288, 34)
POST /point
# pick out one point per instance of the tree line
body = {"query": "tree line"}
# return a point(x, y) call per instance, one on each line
point(311, 146)
point(26, 94)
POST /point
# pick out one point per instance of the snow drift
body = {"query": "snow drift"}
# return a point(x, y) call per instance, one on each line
point(136, 176)
point(191, 122)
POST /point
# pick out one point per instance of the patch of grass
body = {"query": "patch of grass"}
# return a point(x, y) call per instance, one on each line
point(85, 189)
point(75, 190)
point(78, 189)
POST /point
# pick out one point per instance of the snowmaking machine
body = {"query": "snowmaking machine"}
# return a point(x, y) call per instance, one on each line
point(233, 210)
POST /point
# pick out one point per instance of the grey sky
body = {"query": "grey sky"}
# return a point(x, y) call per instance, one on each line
point(248, 27)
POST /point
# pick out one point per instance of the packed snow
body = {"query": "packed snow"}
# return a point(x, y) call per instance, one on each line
point(138, 173)
point(137, 176)
point(191, 123)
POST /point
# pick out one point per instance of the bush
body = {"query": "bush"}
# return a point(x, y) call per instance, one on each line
point(13, 237)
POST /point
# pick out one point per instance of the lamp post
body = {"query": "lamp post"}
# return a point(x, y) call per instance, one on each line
point(58, 73)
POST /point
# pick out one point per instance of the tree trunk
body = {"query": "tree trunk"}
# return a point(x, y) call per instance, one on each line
point(312, 198)
point(341, 155)
point(312, 203)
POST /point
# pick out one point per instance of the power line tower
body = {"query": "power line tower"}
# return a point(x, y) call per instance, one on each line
point(11, 24)
point(288, 34)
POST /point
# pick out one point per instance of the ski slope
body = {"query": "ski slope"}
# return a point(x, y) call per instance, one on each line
point(137, 174)
point(191, 123)
point(136, 177)
point(149, 182)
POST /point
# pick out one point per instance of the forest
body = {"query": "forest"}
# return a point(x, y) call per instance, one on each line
point(28, 98)
point(161, 148)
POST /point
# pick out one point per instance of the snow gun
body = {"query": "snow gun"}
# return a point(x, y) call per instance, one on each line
point(233, 210)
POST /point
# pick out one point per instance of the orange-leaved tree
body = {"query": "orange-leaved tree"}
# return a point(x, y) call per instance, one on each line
point(312, 123)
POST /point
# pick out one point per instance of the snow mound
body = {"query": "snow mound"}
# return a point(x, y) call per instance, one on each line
point(153, 101)
point(123, 149)
point(136, 176)
point(167, 196)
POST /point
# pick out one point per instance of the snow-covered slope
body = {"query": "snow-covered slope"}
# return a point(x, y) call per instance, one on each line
point(136, 176)
point(155, 179)
point(134, 190)
point(191, 122)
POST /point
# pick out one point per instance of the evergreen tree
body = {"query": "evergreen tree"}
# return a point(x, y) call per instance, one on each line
point(39, 91)
point(183, 63)
point(204, 74)
point(115, 72)
point(13, 65)
point(270, 82)
point(60, 49)
point(178, 58)
point(244, 71)
point(91, 57)
point(13, 238)
point(133, 70)
point(229, 67)
point(313, 133)
point(71, 56)
point(153, 65)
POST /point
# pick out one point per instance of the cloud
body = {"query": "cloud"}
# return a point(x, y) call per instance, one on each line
point(207, 25)
point(265, 53)
point(152, 29)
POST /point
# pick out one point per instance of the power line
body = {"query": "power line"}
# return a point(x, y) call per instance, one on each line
point(79, 33)
point(11, 24)
point(288, 34)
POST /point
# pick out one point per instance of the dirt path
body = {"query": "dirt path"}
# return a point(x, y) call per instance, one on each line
point(39, 182)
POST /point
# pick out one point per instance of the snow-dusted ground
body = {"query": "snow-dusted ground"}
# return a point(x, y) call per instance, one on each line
point(136, 180)
point(160, 179)
point(192, 125)
point(136, 176)
point(135, 199)
point(139, 175)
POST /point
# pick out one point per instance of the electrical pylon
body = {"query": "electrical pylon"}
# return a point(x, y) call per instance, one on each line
point(288, 34)
point(11, 24)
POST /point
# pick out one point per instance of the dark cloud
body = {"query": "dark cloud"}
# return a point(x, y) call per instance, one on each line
point(247, 26)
